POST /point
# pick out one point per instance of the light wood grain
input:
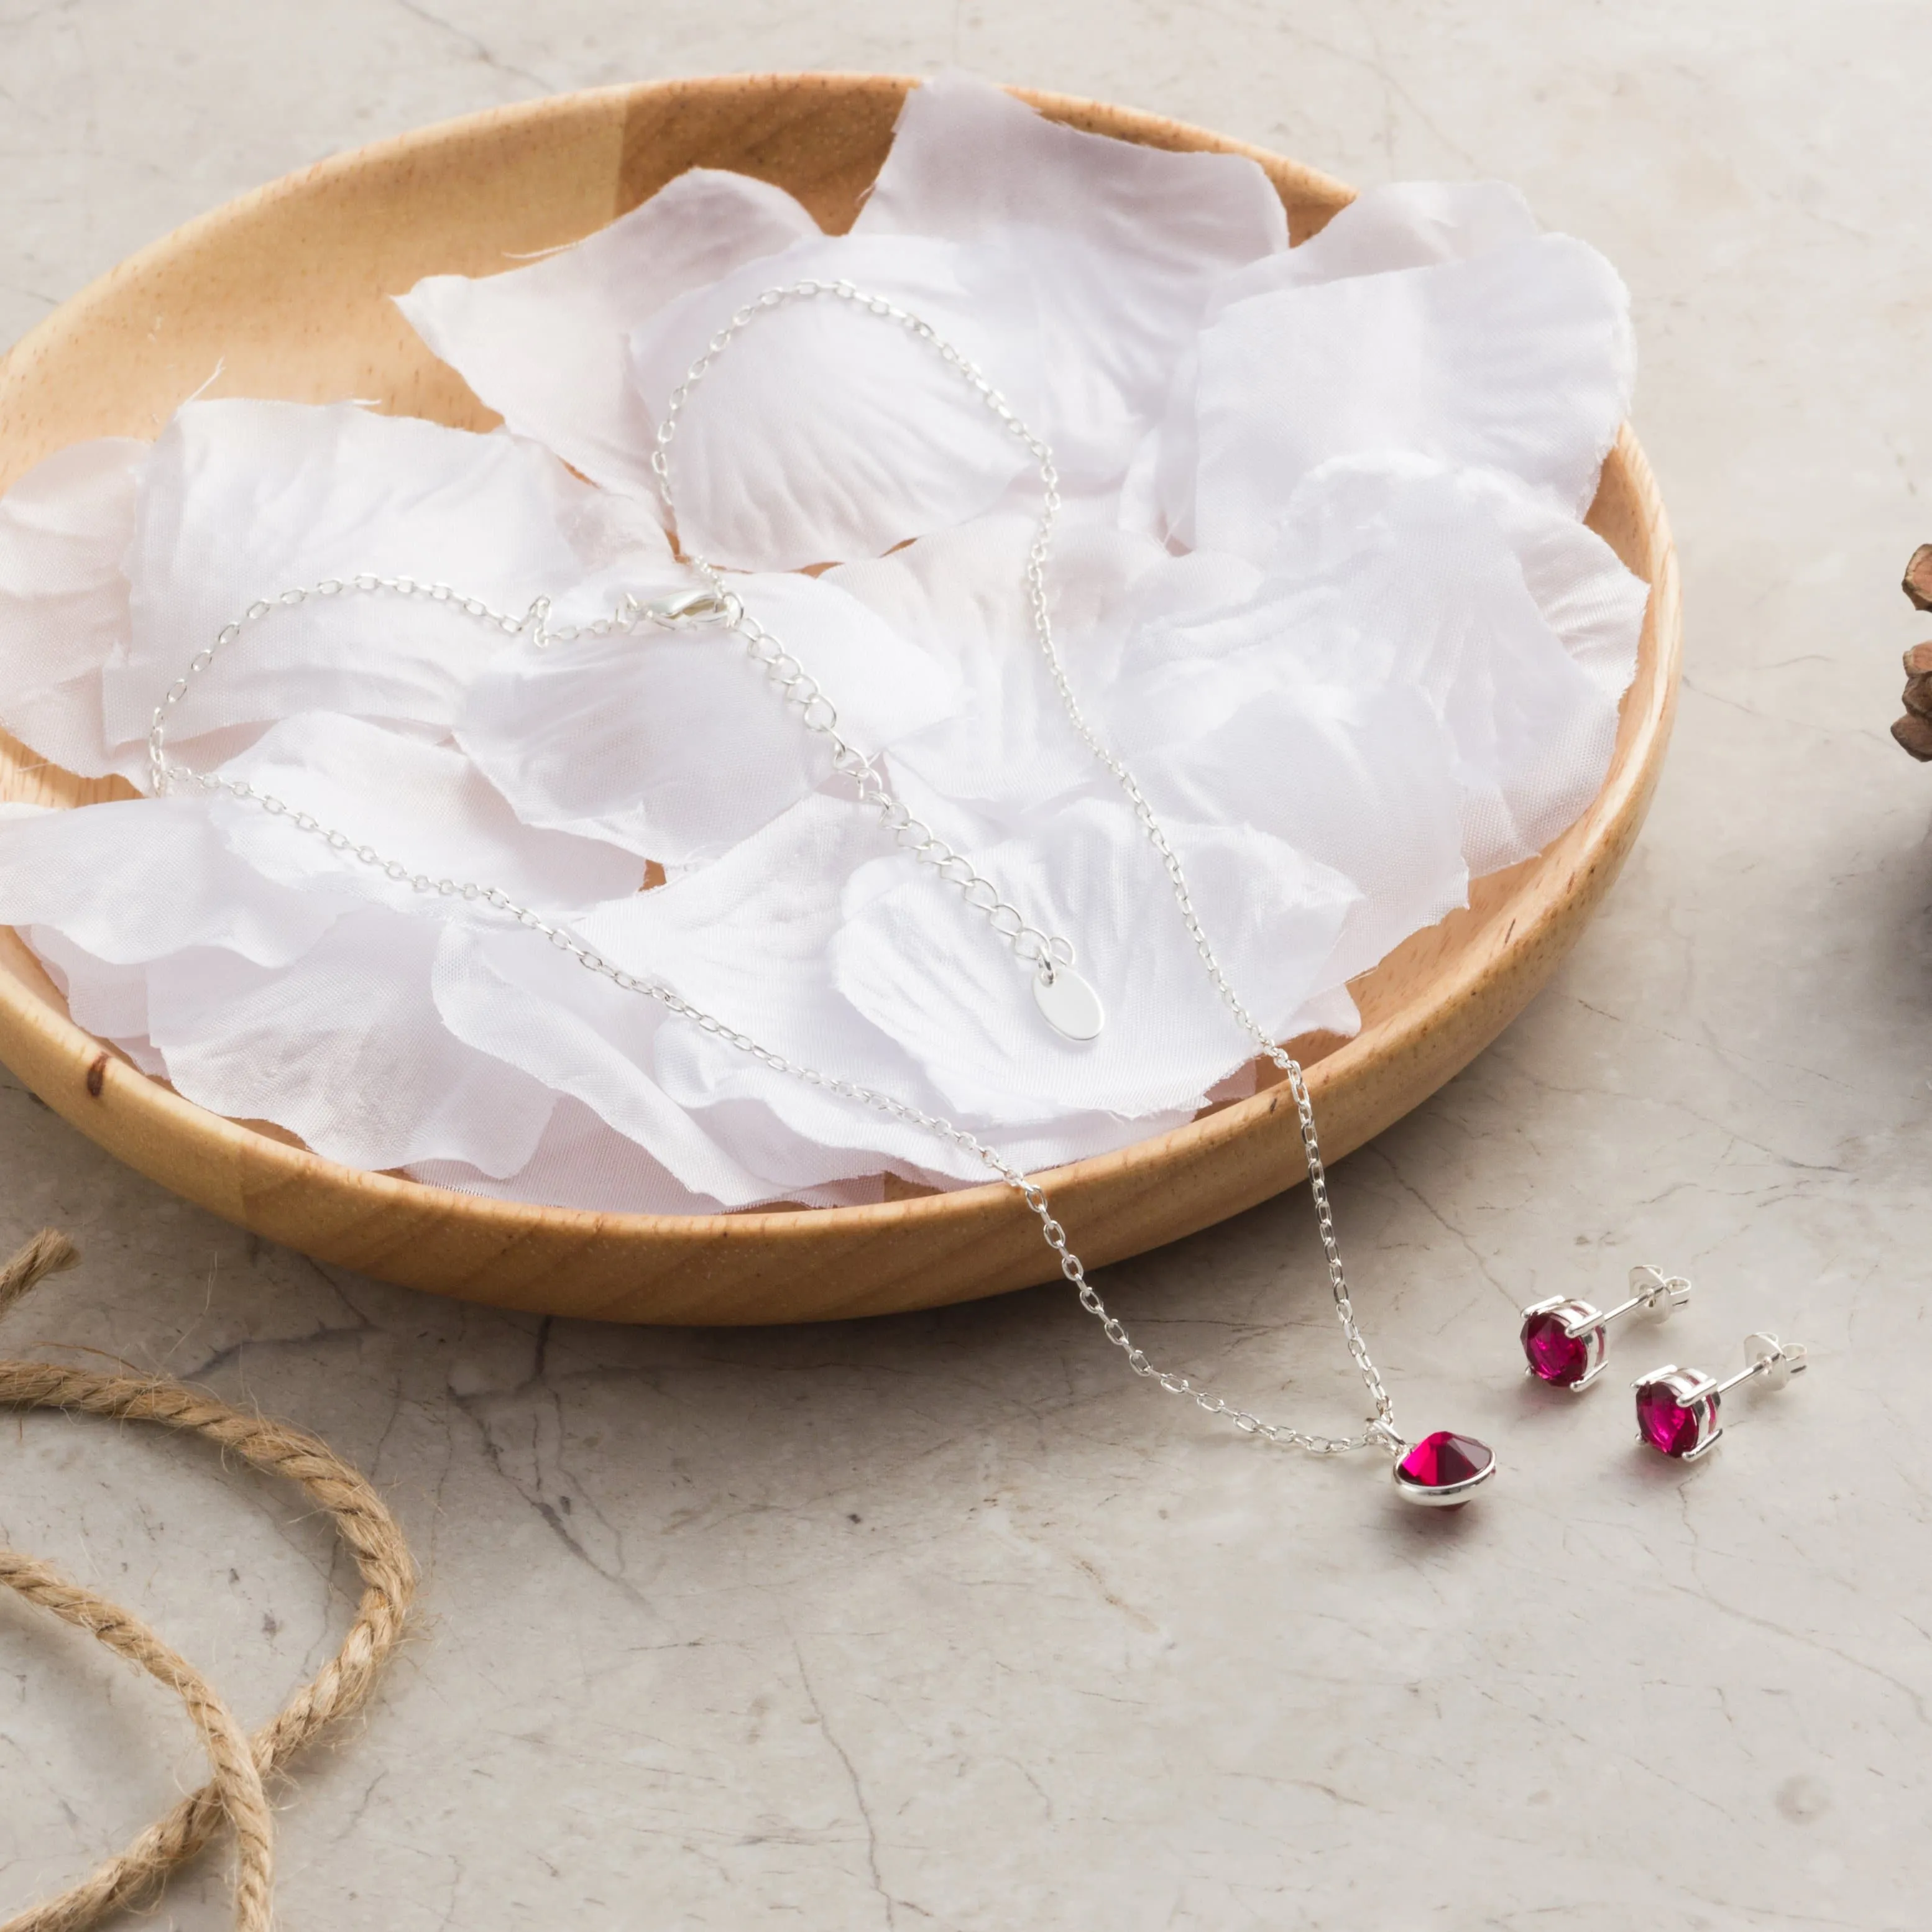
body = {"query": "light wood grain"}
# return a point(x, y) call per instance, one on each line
point(287, 291)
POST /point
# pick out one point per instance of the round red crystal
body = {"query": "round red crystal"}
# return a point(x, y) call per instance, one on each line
point(1672, 1426)
point(1553, 1355)
point(1440, 1461)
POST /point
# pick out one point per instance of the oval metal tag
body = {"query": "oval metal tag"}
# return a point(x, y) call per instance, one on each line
point(1071, 1006)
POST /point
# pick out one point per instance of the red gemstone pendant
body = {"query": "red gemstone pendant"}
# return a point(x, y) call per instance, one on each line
point(1677, 1413)
point(1443, 1471)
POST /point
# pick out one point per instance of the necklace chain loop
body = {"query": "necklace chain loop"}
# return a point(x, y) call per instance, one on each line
point(716, 604)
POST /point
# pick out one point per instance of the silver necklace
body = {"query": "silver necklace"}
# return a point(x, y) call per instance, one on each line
point(1443, 1469)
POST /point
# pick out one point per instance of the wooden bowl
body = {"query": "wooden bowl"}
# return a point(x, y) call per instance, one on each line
point(287, 289)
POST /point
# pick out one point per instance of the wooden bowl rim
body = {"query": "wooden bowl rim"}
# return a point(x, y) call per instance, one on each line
point(278, 1163)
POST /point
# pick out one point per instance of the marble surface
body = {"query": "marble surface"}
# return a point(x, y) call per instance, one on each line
point(943, 1621)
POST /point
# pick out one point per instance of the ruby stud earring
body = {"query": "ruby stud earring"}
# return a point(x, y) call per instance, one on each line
point(1563, 1339)
point(1677, 1408)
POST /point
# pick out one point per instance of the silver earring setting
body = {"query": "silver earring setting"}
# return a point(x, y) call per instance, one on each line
point(1677, 1408)
point(1563, 1339)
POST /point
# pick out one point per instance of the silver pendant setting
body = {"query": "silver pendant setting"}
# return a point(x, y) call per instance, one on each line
point(1072, 1007)
point(1444, 1471)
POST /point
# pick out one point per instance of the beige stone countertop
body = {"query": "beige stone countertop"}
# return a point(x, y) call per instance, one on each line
point(944, 1621)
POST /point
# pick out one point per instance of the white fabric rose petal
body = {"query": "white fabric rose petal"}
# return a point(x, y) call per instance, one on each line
point(1008, 747)
point(103, 893)
point(747, 939)
point(675, 743)
point(425, 807)
point(1517, 359)
point(521, 1001)
point(789, 1128)
point(1401, 225)
point(261, 1000)
point(1122, 243)
point(1398, 572)
point(750, 936)
point(1405, 225)
point(110, 1001)
point(136, 879)
point(996, 769)
point(1010, 753)
point(580, 1161)
point(1223, 726)
point(64, 528)
point(825, 433)
point(617, 542)
point(343, 1048)
point(264, 1001)
point(747, 936)
point(545, 345)
point(928, 972)
point(1595, 605)
point(754, 938)
point(243, 500)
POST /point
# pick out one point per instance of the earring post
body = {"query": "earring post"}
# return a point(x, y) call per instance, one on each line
point(1742, 1375)
point(1621, 1308)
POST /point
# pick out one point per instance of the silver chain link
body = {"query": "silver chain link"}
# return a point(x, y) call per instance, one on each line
point(718, 604)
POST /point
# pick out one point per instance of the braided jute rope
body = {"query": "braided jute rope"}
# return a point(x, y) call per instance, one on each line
point(342, 1686)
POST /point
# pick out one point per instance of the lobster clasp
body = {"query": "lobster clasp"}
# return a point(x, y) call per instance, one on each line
point(701, 606)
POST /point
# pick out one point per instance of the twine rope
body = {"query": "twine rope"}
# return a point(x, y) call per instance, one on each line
point(237, 1783)
point(341, 1687)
